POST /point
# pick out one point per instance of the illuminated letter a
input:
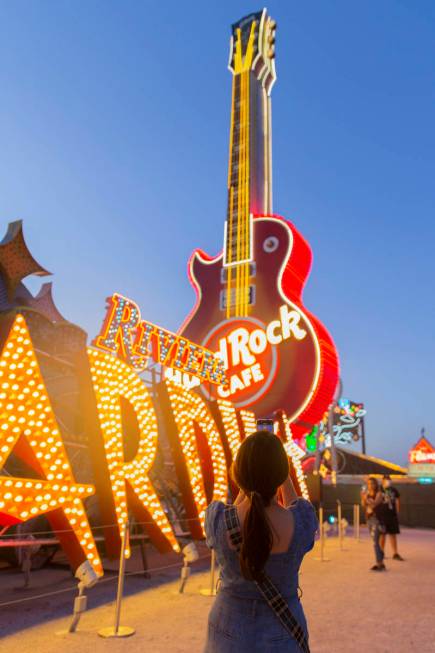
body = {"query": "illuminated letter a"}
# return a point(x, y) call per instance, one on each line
point(28, 428)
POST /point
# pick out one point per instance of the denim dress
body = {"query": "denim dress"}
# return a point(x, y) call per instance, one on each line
point(241, 621)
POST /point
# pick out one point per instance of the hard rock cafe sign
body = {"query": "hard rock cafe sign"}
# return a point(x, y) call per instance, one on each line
point(248, 349)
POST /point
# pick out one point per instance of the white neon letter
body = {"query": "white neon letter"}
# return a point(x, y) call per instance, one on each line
point(257, 341)
point(273, 337)
point(239, 347)
point(290, 323)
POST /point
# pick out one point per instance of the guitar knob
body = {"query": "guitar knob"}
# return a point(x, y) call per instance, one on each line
point(270, 244)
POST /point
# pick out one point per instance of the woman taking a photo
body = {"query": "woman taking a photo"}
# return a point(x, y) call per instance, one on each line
point(260, 542)
point(373, 503)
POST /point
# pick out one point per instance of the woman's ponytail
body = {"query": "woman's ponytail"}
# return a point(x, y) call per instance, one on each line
point(257, 539)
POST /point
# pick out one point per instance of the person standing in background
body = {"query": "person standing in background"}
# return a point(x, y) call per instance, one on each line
point(391, 498)
point(373, 503)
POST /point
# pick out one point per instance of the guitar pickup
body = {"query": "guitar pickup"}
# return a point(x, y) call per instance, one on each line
point(244, 296)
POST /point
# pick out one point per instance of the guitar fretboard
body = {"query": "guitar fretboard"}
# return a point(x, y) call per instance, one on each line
point(249, 170)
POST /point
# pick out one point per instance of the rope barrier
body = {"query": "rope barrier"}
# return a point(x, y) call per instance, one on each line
point(68, 530)
point(100, 582)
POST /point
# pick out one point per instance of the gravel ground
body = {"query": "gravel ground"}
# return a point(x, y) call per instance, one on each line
point(349, 608)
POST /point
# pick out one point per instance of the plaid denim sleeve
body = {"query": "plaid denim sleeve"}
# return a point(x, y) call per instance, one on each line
point(213, 513)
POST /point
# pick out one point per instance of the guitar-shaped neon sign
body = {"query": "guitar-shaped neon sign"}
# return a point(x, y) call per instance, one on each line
point(249, 298)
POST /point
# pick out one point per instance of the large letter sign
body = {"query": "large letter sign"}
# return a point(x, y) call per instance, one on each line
point(29, 429)
point(113, 380)
point(198, 451)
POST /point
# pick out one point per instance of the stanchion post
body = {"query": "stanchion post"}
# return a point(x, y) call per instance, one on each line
point(211, 591)
point(322, 534)
point(322, 537)
point(117, 630)
point(340, 525)
point(354, 521)
point(357, 509)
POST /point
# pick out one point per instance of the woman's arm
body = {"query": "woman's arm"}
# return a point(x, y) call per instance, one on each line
point(373, 502)
point(378, 499)
point(288, 492)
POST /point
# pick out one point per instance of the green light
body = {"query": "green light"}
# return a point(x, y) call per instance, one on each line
point(311, 439)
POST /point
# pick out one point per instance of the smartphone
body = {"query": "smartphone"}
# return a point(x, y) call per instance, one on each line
point(265, 424)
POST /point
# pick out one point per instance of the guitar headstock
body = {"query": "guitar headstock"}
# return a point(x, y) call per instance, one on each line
point(252, 46)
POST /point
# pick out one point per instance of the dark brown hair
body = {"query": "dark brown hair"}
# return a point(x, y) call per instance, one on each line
point(261, 466)
point(375, 483)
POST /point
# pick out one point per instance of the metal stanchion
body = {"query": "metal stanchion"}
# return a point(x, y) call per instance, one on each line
point(117, 630)
point(356, 520)
point(339, 520)
point(211, 591)
point(341, 529)
point(322, 538)
point(340, 525)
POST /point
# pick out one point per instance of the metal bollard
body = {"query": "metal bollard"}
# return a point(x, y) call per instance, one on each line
point(322, 538)
point(117, 630)
point(211, 591)
point(356, 520)
point(340, 525)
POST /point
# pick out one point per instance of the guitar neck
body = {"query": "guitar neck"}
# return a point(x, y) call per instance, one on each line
point(249, 169)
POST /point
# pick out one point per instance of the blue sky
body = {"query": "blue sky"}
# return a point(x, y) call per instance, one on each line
point(114, 120)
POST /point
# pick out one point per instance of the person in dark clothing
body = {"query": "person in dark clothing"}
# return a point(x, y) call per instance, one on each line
point(391, 498)
point(373, 503)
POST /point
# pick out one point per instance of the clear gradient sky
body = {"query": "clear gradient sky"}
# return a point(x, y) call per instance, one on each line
point(114, 121)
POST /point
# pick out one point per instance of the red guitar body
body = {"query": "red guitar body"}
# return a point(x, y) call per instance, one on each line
point(298, 374)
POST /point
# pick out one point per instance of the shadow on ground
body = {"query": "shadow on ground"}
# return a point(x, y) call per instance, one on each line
point(26, 608)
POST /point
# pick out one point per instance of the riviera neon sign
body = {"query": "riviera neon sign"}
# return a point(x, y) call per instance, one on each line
point(134, 340)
